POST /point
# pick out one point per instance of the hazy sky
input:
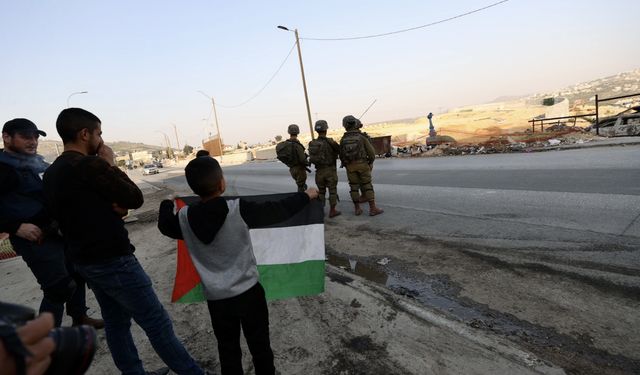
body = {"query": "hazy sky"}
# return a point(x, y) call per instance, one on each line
point(142, 62)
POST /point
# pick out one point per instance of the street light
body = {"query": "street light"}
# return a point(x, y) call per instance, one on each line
point(75, 93)
point(304, 82)
point(175, 129)
point(215, 114)
point(168, 143)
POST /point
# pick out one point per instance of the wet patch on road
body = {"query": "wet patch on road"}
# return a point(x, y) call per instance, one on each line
point(575, 355)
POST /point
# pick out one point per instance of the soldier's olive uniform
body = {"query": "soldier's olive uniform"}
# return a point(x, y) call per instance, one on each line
point(357, 155)
point(326, 173)
point(298, 169)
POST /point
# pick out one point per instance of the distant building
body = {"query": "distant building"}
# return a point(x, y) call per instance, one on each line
point(213, 145)
point(142, 156)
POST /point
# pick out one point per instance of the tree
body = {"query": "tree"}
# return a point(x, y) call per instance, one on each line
point(187, 149)
point(278, 138)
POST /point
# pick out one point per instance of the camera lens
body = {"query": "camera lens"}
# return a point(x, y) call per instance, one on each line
point(75, 347)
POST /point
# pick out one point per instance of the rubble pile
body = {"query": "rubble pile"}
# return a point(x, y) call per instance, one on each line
point(553, 136)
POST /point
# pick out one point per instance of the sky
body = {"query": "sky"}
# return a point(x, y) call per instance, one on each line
point(143, 63)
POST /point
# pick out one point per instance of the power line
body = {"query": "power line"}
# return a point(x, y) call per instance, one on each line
point(411, 28)
point(265, 85)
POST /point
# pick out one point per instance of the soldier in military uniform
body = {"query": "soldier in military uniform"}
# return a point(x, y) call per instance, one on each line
point(357, 155)
point(323, 153)
point(291, 152)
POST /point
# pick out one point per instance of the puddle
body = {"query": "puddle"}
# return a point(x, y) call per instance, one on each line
point(421, 291)
point(437, 293)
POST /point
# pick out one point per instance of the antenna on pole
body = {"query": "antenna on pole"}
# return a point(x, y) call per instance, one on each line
point(369, 107)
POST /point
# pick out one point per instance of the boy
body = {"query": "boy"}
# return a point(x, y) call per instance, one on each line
point(216, 231)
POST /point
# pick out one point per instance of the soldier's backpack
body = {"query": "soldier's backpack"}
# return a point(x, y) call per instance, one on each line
point(320, 153)
point(286, 153)
point(352, 148)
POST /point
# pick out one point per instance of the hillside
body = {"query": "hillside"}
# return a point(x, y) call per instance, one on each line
point(51, 149)
point(479, 122)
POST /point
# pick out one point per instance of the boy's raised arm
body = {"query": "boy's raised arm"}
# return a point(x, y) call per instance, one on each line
point(168, 221)
point(267, 213)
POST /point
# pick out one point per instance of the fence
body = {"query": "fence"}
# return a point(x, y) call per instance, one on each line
point(541, 121)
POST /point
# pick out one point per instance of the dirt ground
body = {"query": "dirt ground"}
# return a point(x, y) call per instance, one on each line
point(584, 328)
point(357, 326)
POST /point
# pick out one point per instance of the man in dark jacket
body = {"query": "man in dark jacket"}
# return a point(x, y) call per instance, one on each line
point(33, 234)
point(88, 196)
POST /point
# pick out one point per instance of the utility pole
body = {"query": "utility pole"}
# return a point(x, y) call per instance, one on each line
point(304, 81)
point(175, 129)
point(215, 115)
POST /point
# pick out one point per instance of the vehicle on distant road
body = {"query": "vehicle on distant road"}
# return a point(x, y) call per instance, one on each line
point(625, 123)
point(158, 164)
point(150, 169)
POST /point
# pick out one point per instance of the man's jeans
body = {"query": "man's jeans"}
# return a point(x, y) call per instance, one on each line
point(124, 291)
point(55, 276)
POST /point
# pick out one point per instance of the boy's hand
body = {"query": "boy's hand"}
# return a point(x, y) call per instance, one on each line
point(312, 193)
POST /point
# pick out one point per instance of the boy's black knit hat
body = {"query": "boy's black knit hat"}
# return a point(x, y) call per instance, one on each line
point(203, 175)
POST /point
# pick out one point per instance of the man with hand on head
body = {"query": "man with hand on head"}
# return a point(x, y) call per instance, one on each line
point(89, 195)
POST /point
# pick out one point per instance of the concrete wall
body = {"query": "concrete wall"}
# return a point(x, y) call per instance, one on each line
point(265, 153)
point(235, 158)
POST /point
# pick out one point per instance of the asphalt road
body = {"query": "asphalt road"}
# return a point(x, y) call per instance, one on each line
point(576, 210)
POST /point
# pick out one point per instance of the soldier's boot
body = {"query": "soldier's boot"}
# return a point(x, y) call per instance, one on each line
point(358, 209)
point(373, 210)
point(333, 212)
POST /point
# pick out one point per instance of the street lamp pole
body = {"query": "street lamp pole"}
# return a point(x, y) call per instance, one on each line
point(75, 93)
point(304, 81)
point(175, 129)
point(215, 115)
point(168, 143)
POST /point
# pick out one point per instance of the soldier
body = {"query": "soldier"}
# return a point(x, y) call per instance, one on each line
point(357, 155)
point(291, 152)
point(323, 153)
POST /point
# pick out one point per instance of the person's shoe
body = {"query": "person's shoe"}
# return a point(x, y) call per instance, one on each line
point(160, 371)
point(87, 321)
point(373, 210)
point(358, 209)
point(333, 212)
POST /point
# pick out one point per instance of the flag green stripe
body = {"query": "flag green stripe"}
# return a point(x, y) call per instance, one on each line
point(291, 280)
point(195, 295)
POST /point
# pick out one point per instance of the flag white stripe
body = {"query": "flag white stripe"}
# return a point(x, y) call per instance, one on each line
point(286, 245)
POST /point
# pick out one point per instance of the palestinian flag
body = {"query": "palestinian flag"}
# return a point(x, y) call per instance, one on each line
point(290, 255)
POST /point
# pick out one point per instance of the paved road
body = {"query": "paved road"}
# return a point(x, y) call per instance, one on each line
point(578, 210)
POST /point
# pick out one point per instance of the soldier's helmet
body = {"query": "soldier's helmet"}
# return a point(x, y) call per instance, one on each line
point(350, 122)
point(293, 129)
point(321, 126)
point(359, 124)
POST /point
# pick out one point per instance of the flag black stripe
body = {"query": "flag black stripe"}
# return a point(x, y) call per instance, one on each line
point(313, 213)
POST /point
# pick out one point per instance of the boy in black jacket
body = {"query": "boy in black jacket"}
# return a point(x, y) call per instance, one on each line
point(216, 231)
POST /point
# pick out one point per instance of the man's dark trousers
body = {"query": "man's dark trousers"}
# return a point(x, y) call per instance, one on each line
point(124, 292)
point(53, 273)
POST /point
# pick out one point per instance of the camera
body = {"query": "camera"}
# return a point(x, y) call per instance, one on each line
point(75, 346)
